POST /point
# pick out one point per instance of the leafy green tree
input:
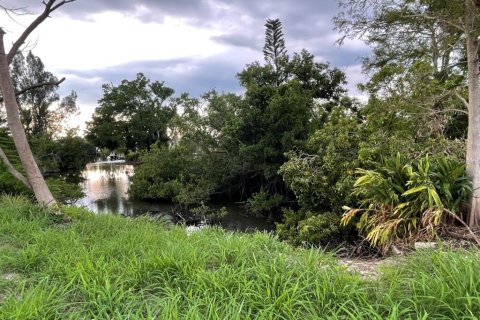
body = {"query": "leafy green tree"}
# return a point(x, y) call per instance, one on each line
point(132, 116)
point(42, 110)
point(238, 143)
point(34, 177)
point(233, 146)
point(204, 163)
point(278, 117)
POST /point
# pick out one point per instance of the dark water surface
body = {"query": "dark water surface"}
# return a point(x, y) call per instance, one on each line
point(106, 187)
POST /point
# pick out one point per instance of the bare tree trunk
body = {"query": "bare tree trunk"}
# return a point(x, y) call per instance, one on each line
point(34, 176)
point(473, 139)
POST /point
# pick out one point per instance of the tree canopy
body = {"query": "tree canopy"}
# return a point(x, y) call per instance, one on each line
point(132, 116)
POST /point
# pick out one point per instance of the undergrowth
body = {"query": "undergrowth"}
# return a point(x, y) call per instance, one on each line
point(108, 267)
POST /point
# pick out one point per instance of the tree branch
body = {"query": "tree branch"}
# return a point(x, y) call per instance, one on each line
point(38, 85)
point(14, 171)
point(49, 8)
point(464, 101)
point(442, 19)
point(451, 110)
point(472, 234)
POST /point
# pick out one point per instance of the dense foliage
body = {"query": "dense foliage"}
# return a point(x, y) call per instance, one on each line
point(60, 153)
point(132, 116)
point(400, 199)
point(61, 161)
point(233, 146)
point(67, 155)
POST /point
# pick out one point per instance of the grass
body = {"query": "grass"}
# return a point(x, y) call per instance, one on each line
point(108, 267)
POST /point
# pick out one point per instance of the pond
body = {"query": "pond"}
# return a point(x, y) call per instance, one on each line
point(106, 187)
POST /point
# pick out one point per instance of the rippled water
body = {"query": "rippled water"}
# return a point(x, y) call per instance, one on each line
point(106, 187)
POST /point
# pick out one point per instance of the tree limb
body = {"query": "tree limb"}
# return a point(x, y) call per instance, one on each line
point(442, 19)
point(470, 231)
point(464, 101)
point(49, 8)
point(452, 110)
point(37, 85)
point(14, 171)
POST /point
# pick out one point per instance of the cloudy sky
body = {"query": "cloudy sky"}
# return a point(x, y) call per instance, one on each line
point(192, 45)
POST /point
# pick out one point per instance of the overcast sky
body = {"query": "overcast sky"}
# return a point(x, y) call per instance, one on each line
point(192, 45)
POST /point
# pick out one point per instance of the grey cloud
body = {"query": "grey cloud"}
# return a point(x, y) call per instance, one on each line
point(307, 24)
point(153, 10)
point(239, 40)
point(241, 20)
point(213, 73)
point(202, 12)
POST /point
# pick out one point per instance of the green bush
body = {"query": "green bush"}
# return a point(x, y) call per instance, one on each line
point(65, 192)
point(309, 228)
point(208, 214)
point(402, 200)
point(175, 173)
point(262, 203)
point(66, 155)
point(132, 156)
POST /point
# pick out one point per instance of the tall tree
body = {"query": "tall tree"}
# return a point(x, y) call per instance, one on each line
point(453, 22)
point(278, 112)
point(132, 116)
point(274, 50)
point(34, 176)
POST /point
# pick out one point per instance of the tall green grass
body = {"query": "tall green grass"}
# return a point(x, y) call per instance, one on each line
point(108, 267)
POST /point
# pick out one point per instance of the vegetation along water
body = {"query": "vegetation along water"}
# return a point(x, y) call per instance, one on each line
point(258, 203)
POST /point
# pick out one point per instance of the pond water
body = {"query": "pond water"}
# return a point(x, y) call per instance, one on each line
point(106, 187)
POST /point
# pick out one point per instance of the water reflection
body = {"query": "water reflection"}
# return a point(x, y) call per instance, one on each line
point(106, 187)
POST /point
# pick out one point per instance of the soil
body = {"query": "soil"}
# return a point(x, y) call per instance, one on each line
point(367, 268)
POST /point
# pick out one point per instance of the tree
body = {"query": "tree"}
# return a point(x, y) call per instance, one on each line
point(205, 161)
point(34, 176)
point(455, 21)
point(233, 146)
point(37, 114)
point(279, 116)
point(132, 116)
point(274, 49)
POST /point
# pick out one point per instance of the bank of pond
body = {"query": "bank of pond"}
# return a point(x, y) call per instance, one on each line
point(106, 187)
point(87, 266)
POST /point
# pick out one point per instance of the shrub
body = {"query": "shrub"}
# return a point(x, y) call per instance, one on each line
point(262, 204)
point(309, 228)
point(401, 199)
point(65, 192)
point(208, 214)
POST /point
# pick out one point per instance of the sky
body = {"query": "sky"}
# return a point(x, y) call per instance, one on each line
point(192, 45)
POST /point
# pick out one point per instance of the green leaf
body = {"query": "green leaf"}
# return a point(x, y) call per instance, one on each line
point(414, 190)
point(433, 193)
